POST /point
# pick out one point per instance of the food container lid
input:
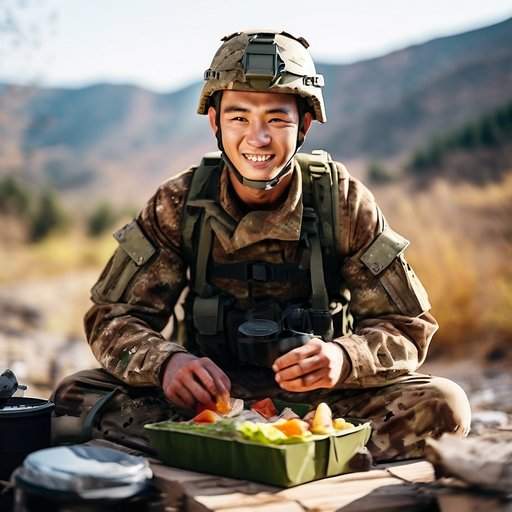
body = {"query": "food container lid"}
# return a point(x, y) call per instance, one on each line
point(91, 472)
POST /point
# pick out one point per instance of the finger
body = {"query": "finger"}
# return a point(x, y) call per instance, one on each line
point(313, 380)
point(295, 355)
point(302, 367)
point(226, 381)
point(222, 382)
point(206, 380)
point(199, 393)
point(184, 396)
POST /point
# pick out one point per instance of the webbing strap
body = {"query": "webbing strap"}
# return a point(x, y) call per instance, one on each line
point(201, 286)
point(319, 299)
point(320, 192)
point(211, 210)
point(258, 271)
point(204, 178)
point(196, 228)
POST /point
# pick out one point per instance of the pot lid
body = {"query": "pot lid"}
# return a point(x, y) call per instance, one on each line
point(92, 472)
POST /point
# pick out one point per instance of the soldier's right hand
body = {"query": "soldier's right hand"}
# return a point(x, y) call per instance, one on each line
point(188, 380)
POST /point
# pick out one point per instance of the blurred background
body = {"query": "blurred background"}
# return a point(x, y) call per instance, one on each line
point(97, 107)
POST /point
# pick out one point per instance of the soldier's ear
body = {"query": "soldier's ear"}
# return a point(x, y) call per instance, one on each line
point(306, 124)
point(212, 119)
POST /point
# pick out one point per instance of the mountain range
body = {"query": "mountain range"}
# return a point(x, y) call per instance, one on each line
point(120, 141)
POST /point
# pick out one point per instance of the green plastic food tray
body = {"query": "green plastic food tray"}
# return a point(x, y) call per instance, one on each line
point(280, 465)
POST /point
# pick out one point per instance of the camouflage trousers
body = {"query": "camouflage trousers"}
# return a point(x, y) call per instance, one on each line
point(94, 404)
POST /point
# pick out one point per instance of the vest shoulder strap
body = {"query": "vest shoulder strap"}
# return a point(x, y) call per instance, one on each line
point(320, 193)
point(202, 186)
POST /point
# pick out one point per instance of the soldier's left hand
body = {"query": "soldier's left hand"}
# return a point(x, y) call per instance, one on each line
point(317, 364)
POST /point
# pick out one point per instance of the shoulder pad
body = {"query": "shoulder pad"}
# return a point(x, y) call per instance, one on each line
point(383, 250)
point(134, 243)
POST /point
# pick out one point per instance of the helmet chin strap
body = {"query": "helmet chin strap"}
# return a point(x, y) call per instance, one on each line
point(257, 184)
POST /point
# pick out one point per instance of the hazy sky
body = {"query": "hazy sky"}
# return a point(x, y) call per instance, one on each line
point(163, 44)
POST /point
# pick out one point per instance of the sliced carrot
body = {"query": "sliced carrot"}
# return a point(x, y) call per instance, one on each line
point(293, 427)
point(223, 404)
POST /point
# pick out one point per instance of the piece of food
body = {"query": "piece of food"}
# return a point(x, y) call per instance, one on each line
point(223, 404)
point(237, 406)
point(308, 418)
point(322, 420)
point(248, 415)
point(288, 414)
point(206, 416)
point(293, 427)
point(265, 407)
point(263, 433)
point(342, 424)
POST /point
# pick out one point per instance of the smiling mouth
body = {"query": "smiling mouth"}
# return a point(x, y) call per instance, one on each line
point(258, 158)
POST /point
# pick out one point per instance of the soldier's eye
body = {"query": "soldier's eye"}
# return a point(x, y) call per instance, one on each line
point(238, 118)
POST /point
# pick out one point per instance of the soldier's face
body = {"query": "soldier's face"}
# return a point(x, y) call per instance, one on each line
point(259, 131)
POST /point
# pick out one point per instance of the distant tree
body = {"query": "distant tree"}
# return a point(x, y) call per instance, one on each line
point(47, 217)
point(379, 174)
point(468, 137)
point(14, 198)
point(504, 119)
point(102, 218)
point(488, 131)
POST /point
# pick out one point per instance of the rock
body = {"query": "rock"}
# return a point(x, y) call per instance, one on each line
point(485, 420)
point(483, 461)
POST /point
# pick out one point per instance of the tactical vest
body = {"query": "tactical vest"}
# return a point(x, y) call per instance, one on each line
point(210, 319)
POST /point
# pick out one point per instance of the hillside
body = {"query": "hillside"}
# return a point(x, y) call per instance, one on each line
point(388, 105)
point(479, 151)
point(120, 141)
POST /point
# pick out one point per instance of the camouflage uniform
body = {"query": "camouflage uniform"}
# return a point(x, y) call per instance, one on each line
point(393, 327)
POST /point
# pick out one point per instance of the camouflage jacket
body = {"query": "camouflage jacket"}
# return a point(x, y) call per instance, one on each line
point(392, 325)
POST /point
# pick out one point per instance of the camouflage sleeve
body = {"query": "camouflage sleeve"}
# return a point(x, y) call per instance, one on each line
point(136, 293)
point(392, 325)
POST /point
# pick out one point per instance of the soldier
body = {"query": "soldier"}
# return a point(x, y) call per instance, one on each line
point(296, 286)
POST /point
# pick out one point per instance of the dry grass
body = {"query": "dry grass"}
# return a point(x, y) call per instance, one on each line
point(54, 256)
point(462, 250)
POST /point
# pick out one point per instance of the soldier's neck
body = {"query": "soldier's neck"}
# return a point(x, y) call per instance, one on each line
point(255, 199)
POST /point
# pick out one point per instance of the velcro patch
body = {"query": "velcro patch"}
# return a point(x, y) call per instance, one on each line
point(383, 250)
point(134, 243)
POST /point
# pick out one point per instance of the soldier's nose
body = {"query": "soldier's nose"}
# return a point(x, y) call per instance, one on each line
point(258, 136)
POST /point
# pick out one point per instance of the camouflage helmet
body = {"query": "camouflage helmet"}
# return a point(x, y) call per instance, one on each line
point(264, 60)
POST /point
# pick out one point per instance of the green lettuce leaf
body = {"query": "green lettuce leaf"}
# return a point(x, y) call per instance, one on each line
point(265, 433)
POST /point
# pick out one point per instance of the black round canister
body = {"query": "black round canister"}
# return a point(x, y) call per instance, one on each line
point(25, 426)
point(31, 498)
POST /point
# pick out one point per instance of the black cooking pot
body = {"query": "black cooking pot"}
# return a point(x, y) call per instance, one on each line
point(25, 426)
